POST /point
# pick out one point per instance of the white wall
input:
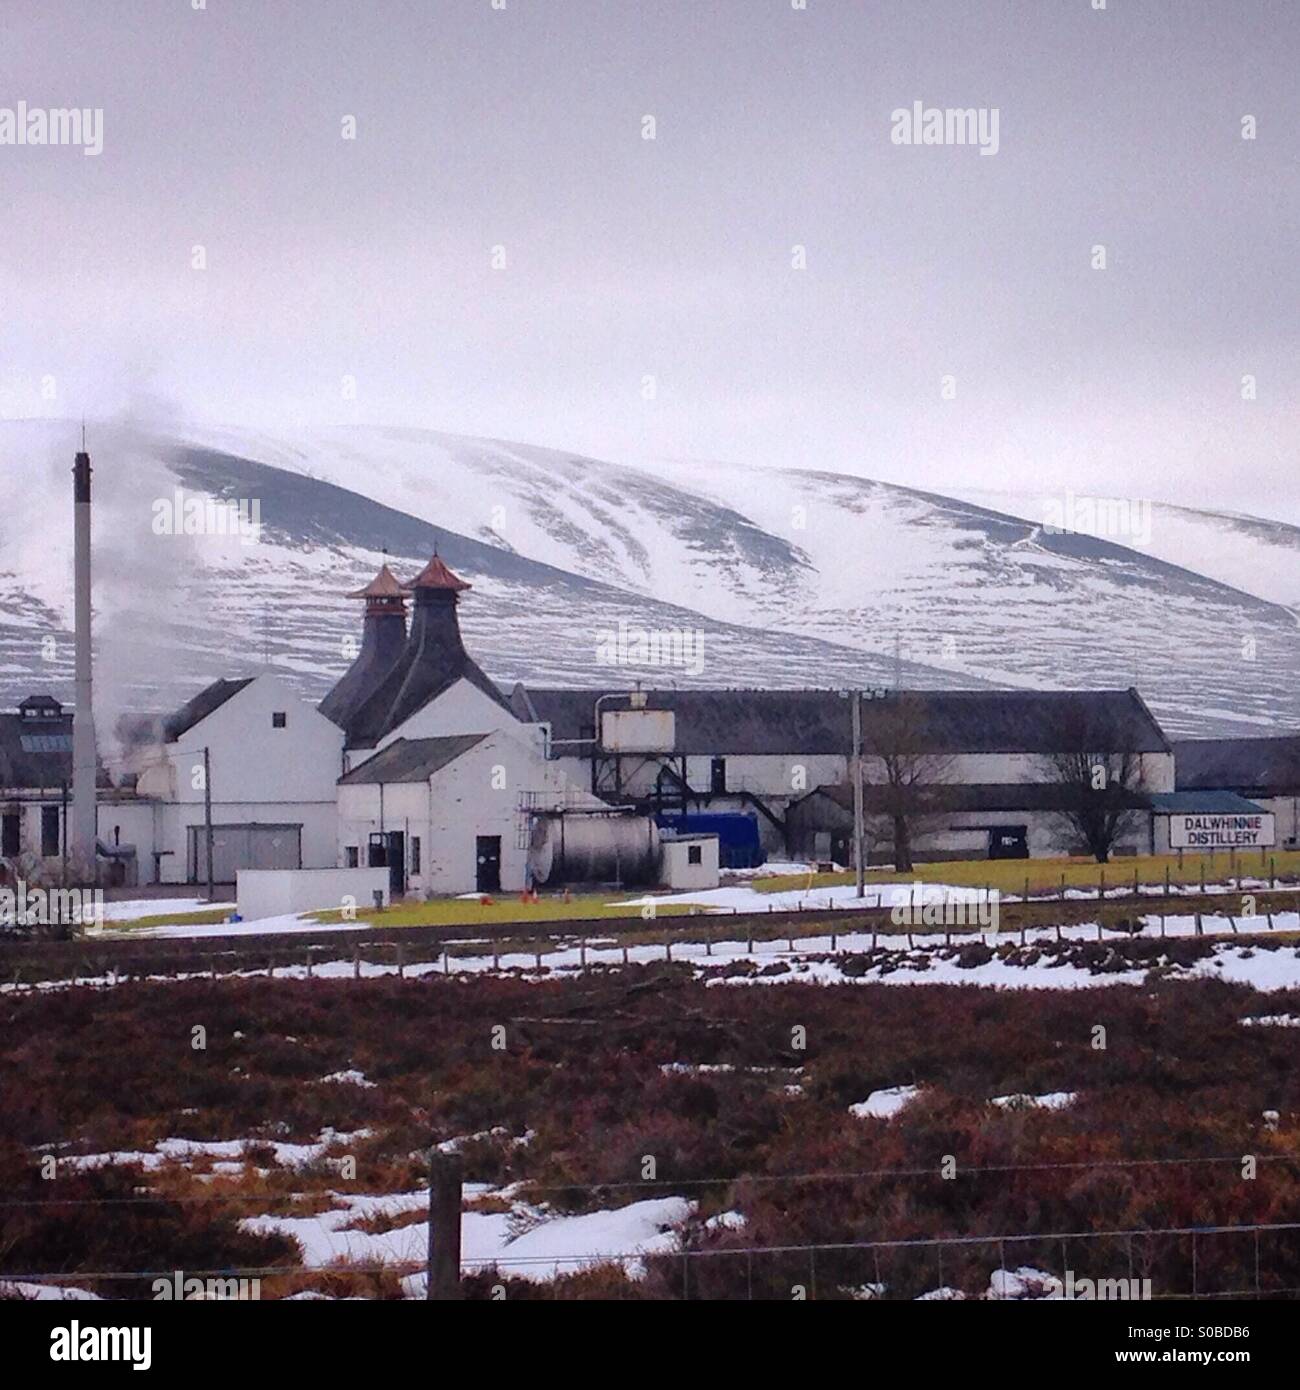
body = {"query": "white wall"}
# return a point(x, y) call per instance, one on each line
point(678, 872)
point(478, 794)
point(260, 774)
point(277, 892)
point(461, 709)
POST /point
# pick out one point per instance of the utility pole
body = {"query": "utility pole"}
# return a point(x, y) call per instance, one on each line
point(63, 804)
point(446, 1172)
point(857, 790)
point(207, 818)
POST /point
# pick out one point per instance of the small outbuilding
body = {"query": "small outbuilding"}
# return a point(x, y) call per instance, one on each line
point(689, 861)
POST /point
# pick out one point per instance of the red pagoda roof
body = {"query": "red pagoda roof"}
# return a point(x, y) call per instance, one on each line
point(384, 585)
point(436, 575)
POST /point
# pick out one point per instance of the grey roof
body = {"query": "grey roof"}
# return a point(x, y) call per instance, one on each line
point(411, 759)
point(1204, 803)
point(819, 721)
point(37, 752)
point(210, 698)
point(995, 797)
point(1254, 766)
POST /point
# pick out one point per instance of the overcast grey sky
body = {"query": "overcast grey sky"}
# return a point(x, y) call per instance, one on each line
point(628, 258)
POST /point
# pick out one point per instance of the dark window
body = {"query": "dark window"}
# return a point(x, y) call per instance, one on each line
point(587, 731)
point(694, 854)
point(718, 775)
point(351, 853)
point(415, 854)
point(49, 831)
point(9, 836)
point(279, 719)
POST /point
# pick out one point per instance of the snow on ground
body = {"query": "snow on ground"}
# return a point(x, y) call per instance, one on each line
point(923, 958)
point(1053, 1100)
point(229, 1151)
point(284, 925)
point(1272, 1021)
point(134, 908)
point(352, 1077)
point(741, 898)
point(526, 1242)
point(500, 1132)
point(884, 1105)
point(1022, 1283)
point(43, 1293)
point(1261, 970)
point(774, 868)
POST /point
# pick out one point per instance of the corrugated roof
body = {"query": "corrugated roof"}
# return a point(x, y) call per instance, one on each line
point(819, 721)
point(411, 759)
point(194, 710)
point(1204, 803)
point(1254, 766)
point(996, 797)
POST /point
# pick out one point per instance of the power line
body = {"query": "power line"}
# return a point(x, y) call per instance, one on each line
point(826, 1175)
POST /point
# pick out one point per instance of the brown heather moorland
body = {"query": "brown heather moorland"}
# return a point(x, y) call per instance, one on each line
point(579, 1064)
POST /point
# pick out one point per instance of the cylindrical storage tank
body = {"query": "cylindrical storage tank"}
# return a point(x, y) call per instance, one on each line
point(573, 847)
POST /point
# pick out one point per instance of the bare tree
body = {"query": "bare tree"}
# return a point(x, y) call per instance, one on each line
point(1100, 771)
point(903, 769)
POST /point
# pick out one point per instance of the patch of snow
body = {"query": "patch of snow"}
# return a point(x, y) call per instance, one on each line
point(1053, 1100)
point(352, 1077)
point(884, 1105)
point(16, 1289)
point(1023, 1283)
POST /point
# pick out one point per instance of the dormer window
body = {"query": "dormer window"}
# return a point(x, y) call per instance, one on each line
point(40, 707)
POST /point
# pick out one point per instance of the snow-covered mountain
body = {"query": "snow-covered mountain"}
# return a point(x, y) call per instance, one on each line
point(1256, 555)
point(794, 578)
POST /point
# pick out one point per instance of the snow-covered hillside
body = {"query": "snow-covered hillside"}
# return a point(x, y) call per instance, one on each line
point(1258, 556)
point(794, 578)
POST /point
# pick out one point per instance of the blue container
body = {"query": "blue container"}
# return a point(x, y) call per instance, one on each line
point(739, 846)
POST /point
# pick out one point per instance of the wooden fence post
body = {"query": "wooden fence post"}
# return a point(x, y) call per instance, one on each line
point(445, 1175)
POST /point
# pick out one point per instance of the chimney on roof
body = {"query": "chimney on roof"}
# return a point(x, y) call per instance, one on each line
point(85, 760)
point(435, 629)
point(383, 639)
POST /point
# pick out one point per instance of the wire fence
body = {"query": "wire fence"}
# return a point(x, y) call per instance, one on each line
point(1130, 1268)
point(598, 1186)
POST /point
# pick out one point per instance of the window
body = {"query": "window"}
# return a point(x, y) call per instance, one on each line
point(350, 855)
point(9, 836)
point(49, 831)
point(415, 854)
point(694, 854)
point(718, 776)
point(279, 719)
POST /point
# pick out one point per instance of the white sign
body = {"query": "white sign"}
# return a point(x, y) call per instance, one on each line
point(1206, 831)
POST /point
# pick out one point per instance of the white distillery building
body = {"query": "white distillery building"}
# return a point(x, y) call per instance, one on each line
point(273, 760)
point(1266, 771)
point(416, 761)
point(443, 783)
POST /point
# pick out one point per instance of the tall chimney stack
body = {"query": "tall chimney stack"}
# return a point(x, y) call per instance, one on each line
point(84, 759)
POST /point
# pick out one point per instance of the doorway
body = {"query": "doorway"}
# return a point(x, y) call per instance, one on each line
point(488, 856)
point(1009, 842)
point(387, 850)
